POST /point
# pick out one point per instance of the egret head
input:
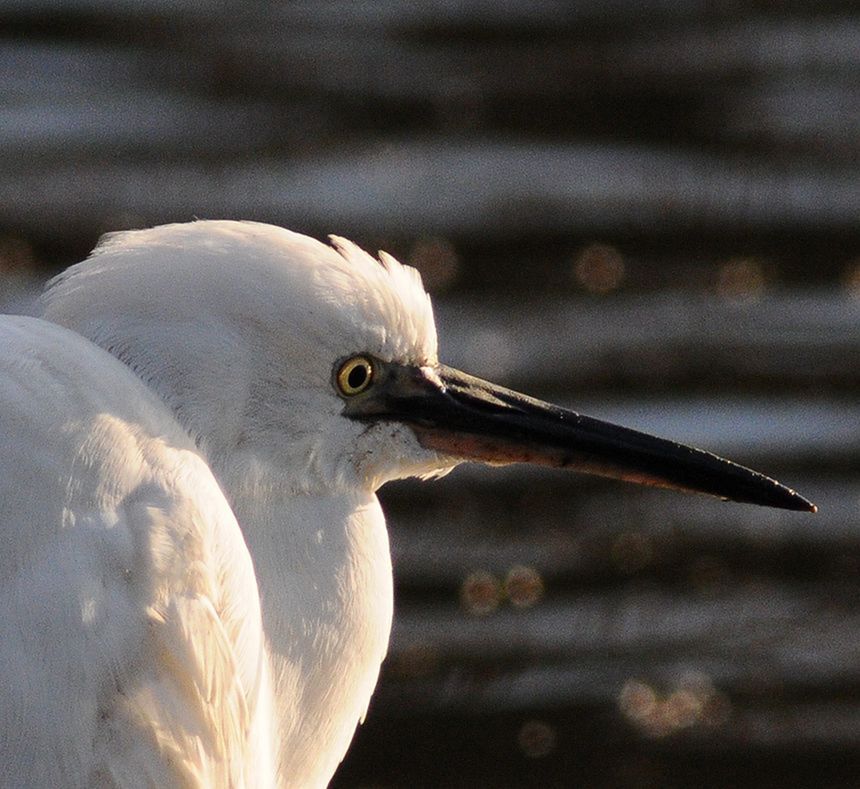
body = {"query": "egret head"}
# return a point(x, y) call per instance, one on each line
point(243, 329)
point(318, 363)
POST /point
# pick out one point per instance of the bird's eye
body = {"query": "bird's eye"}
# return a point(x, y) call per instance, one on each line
point(354, 375)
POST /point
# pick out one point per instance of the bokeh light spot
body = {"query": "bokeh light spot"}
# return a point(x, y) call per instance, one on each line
point(417, 661)
point(682, 708)
point(851, 279)
point(599, 269)
point(637, 700)
point(480, 593)
point(537, 739)
point(438, 262)
point(693, 701)
point(741, 279)
point(523, 586)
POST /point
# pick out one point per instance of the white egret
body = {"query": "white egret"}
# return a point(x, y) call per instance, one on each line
point(196, 583)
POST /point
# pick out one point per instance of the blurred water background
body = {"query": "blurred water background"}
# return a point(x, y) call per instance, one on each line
point(648, 212)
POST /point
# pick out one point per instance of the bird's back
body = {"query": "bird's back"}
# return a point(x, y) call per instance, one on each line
point(132, 649)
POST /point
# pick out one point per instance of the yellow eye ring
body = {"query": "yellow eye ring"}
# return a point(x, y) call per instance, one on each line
point(354, 376)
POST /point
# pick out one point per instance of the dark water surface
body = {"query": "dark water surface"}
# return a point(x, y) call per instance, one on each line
point(649, 214)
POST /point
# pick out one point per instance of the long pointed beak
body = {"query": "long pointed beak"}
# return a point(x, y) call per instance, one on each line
point(465, 417)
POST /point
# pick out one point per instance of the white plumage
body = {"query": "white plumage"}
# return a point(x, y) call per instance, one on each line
point(134, 649)
point(196, 582)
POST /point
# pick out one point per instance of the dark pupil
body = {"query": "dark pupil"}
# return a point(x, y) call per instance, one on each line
point(357, 376)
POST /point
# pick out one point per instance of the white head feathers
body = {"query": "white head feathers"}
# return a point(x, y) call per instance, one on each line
point(239, 325)
point(252, 271)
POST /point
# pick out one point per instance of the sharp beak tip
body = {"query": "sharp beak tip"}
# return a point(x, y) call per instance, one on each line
point(803, 505)
point(788, 499)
